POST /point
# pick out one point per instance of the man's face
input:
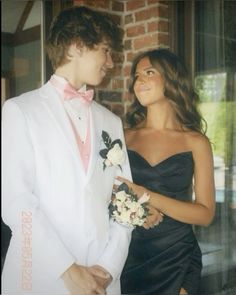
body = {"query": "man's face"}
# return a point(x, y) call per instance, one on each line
point(92, 64)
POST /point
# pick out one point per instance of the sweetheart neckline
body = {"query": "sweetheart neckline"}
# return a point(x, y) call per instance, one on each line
point(162, 161)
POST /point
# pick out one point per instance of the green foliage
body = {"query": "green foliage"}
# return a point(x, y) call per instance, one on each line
point(217, 116)
point(214, 109)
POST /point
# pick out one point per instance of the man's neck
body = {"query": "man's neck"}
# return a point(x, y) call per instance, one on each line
point(67, 74)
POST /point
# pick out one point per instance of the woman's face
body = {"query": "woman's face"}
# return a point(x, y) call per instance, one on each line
point(149, 84)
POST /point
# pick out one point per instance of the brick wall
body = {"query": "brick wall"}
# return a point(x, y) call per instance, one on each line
point(146, 25)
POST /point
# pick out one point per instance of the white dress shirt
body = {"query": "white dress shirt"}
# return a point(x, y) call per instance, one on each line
point(77, 111)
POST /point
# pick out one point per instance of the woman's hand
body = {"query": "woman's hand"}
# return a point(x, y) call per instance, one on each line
point(153, 219)
point(137, 189)
point(155, 216)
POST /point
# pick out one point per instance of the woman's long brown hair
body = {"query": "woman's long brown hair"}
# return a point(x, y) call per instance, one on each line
point(178, 89)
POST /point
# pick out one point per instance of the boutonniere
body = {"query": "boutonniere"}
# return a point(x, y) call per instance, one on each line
point(113, 154)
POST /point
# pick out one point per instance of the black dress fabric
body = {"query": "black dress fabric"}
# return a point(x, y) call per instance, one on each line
point(167, 257)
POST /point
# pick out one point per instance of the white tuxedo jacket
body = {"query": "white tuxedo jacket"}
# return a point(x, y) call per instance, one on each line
point(58, 214)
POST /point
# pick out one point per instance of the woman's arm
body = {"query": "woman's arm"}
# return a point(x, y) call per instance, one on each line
point(201, 210)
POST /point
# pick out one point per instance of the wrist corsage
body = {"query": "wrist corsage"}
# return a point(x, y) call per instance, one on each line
point(113, 154)
point(127, 209)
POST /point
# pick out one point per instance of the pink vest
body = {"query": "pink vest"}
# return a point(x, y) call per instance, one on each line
point(84, 147)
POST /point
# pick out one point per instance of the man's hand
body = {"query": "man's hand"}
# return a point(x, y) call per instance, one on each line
point(79, 280)
point(153, 219)
point(101, 275)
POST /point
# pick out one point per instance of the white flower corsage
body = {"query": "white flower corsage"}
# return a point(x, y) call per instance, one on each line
point(127, 209)
point(113, 154)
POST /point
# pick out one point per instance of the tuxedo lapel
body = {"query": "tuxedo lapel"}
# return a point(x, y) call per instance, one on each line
point(54, 105)
point(96, 119)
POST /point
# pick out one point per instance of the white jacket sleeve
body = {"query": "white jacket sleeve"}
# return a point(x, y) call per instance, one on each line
point(19, 196)
point(115, 254)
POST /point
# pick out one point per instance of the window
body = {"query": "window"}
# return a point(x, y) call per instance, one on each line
point(206, 33)
point(21, 45)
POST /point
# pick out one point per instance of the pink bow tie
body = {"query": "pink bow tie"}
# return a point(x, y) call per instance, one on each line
point(69, 92)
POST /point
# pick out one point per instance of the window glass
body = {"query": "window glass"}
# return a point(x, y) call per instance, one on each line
point(21, 46)
point(215, 65)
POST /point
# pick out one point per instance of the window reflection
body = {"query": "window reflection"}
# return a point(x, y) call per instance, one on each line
point(215, 83)
point(211, 89)
point(21, 45)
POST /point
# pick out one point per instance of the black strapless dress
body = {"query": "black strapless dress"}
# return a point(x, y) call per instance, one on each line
point(167, 257)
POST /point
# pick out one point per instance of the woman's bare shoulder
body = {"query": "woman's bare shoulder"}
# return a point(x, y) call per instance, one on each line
point(198, 143)
point(194, 137)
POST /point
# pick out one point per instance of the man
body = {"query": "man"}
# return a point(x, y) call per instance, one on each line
point(56, 185)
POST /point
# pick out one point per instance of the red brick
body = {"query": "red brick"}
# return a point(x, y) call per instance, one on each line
point(128, 81)
point(134, 4)
point(129, 19)
point(153, 26)
point(127, 44)
point(111, 96)
point(130, 56)
point(146, 41)
point(117, 6)
point(118, 57)
point(128, 97)
point(163, 39)
point(116, 71)
point(135, 30)
point(117, 84)
point(127, 69)
point(146, 14)
point(156, 11)
point(161, 26)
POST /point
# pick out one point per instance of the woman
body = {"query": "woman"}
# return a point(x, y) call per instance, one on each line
point(168, 151)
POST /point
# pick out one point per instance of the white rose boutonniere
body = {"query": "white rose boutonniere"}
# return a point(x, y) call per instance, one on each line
point(125, 207)
point(113, 154)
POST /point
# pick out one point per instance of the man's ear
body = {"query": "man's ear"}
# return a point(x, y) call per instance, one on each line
point(79, 48)
point(74, 49)
point(71, 51)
